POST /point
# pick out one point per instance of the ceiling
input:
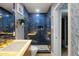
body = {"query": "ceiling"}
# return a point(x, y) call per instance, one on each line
point(33, 7)
point(7, 6)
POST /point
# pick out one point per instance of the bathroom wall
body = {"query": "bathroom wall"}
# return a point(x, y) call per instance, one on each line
point(74, 18)
point(6, 20)
point(37, 20)
point(22, 31)
point(26, 18)
point(49, 20)
point(52, 29)
point(55, 41)
point(32, 21)
point(19, 15)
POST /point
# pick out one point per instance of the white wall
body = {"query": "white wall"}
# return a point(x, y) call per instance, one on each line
point(52, 30)
point(55, 29)
point(56, 34)
point(18, 30)
point(73, 29)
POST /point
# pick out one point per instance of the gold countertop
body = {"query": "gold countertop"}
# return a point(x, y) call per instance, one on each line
point(16, 48)
point(32, 33)
point(5, 33)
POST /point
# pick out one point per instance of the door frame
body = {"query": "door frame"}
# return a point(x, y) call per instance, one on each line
point(57, 25)
point(69, 27)
point(69, 30)
point(57, 10)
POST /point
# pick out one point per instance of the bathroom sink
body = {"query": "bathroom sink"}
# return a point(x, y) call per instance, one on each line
point(16, 48)
point(5, 43)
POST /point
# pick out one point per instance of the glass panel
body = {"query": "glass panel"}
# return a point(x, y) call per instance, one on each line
point(7, 26)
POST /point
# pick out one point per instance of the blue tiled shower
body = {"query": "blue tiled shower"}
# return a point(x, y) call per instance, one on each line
point(37, 20)
point(32, 23)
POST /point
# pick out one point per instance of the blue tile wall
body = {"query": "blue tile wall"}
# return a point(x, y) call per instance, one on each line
point(49, 20)
point(32, 21)
point(26, 18)
point(7, 19)
point(36, 21)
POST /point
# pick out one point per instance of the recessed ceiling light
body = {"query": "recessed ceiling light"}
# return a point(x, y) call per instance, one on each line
point(7, 15)
point(37, 15)
point(0, 14)
point(37, 10)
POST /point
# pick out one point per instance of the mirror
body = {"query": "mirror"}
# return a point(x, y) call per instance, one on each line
point(7, 24)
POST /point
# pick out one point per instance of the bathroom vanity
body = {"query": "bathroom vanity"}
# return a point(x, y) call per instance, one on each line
point(17, 48)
